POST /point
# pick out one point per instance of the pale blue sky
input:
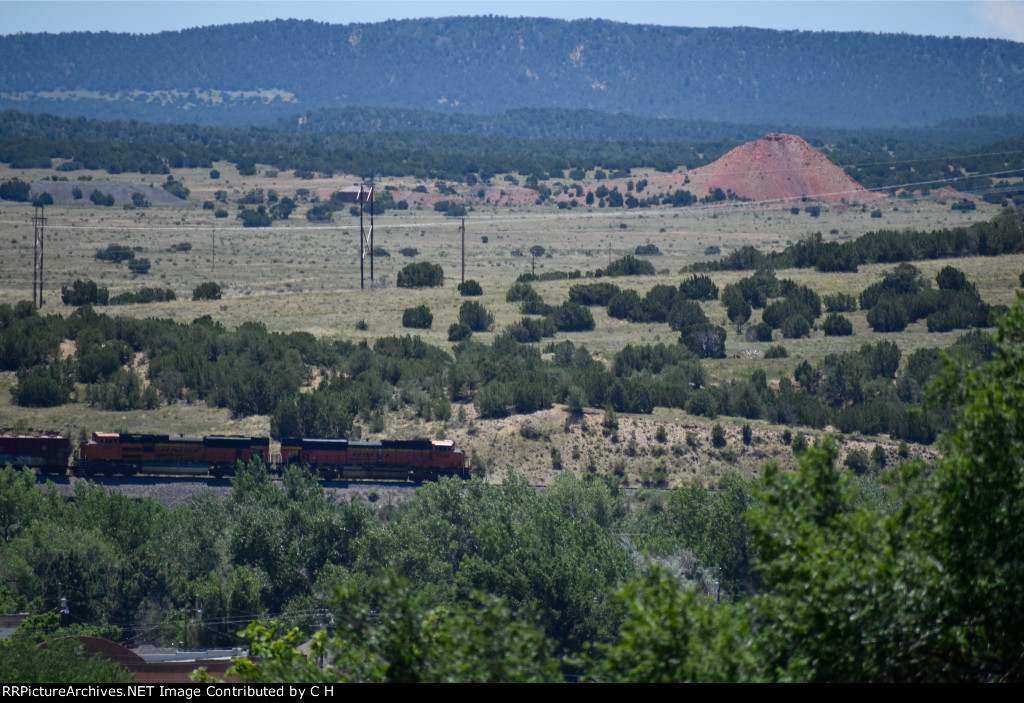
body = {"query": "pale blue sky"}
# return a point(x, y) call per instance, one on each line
point(1002, 19)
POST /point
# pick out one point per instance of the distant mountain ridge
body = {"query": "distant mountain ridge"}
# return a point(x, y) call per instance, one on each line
point(257, 73)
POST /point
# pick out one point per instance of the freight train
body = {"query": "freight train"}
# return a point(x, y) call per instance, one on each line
point(114, 453)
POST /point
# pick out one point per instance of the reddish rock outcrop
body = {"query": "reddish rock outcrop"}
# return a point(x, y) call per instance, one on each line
point(777, 166)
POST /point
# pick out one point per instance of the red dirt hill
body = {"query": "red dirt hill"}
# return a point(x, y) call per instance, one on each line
point(777, 166)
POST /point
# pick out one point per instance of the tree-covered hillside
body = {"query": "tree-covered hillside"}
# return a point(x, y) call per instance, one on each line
point(257, 72)
point(874, 158)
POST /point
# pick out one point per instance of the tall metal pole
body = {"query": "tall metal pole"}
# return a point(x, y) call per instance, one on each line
point(371, 236)
point(42, 241)
point(213, 256)
point(35, 253)
point(463, 249)
point(38, 225)
point(362, 237)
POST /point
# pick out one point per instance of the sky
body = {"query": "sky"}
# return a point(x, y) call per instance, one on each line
point(996, 19)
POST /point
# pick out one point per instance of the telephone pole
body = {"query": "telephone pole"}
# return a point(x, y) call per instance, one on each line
point(39, 225)
point(360, 194)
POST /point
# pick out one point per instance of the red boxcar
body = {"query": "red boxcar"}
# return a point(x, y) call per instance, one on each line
point(47, 452)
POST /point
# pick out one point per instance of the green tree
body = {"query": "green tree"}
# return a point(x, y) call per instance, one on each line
point(418, 317)
point(475, 316)
point(41, 652)
point(403, 639)
point(207, 291)
point(16, 190)
point(421, 274)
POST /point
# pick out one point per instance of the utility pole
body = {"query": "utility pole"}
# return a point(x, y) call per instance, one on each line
point(359, 193)
point(371, 236)
point(199, 616)
point(38, 225)
point(213, 256)
point(362, 237)
point(463, 249)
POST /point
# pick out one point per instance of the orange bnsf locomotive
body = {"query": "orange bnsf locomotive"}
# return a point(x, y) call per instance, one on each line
point(416, 459)
point(217, 455)
point(115, 453)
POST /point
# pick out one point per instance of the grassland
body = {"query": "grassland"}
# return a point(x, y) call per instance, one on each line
point(297, 275)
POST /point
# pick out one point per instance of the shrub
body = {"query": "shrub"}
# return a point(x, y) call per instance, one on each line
point(319, 213)
point(572, 317)
point(647, 250)
point(144, 295)
point(736, 304)
point(799, 443)
point(622, 305)
point(84, 293)
point(475, 316)
point(599, 293)
point(418, 317)
point(718, 436)
point(796, 326)
point(421, 274)
point(45, 385)
point(255, 218)
point(176, 188)
point(707, 341)
point(207, 291)
point(837, 326)
point(628, 265)
point(761, 332)
point(748, 434)
point(140, 266)
point(686, 313)
point(519, 291)
point(116, 253)
point(253, 197)
point(610, 422)
point(840, 302)
point(470, 288)
point(15, 190)
point(411, 252)
point(99, 198)
point(857, 461)
point(888, 316)
point(699, 288)
point(776, 352)
point(531, 329)
point(458, 332)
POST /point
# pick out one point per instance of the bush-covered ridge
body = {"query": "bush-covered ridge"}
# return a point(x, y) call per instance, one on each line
point(486, 65)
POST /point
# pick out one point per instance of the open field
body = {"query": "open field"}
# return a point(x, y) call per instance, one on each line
point(299, 276)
